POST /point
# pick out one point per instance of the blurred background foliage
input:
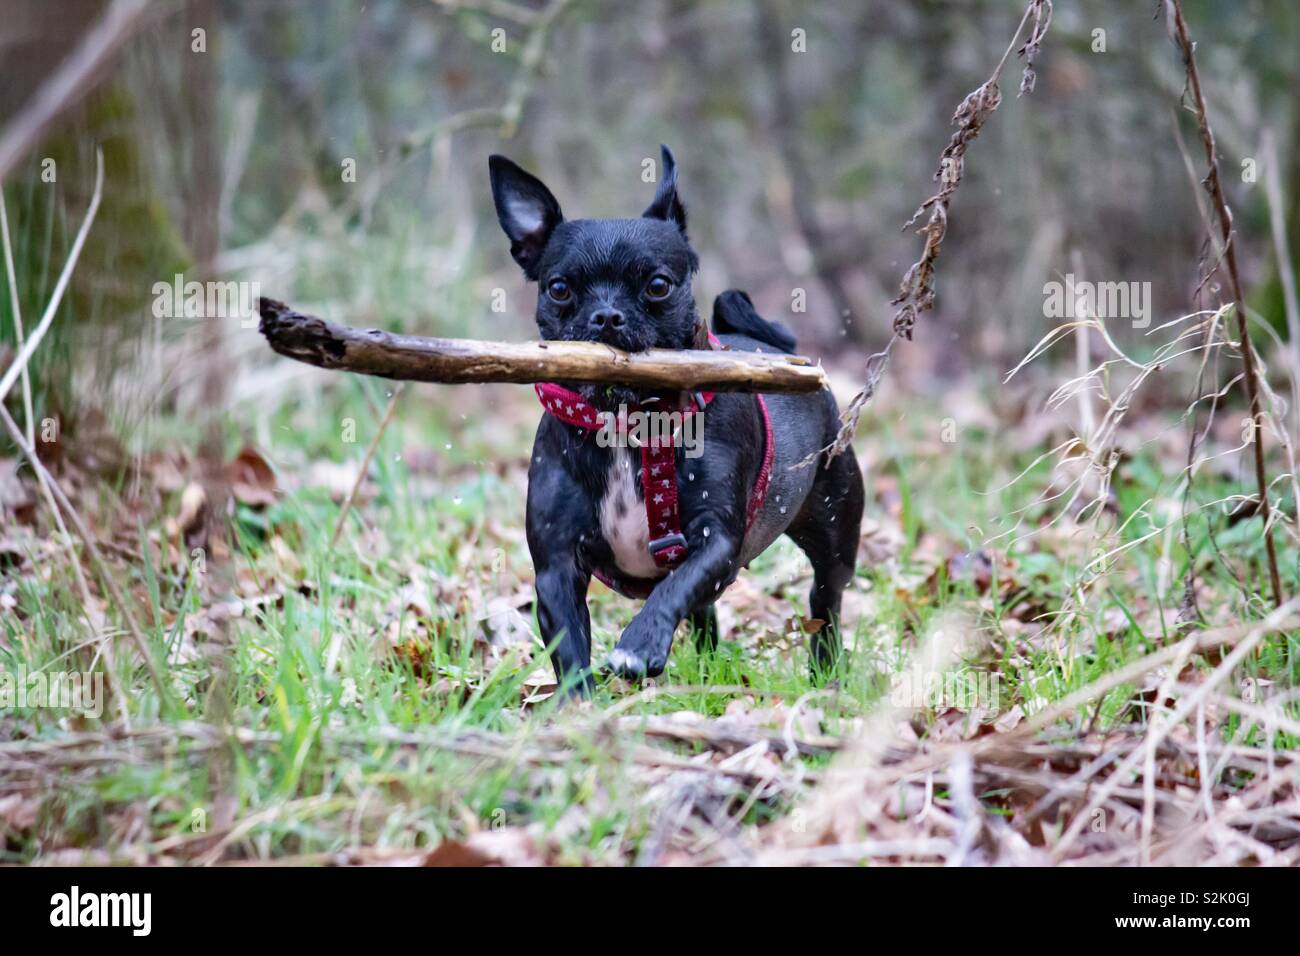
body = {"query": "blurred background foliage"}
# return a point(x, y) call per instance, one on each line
point(798, 168)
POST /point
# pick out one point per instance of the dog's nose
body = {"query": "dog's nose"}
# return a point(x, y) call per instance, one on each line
point(602, 319)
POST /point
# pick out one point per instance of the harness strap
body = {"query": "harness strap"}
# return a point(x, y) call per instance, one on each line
point(667, 544)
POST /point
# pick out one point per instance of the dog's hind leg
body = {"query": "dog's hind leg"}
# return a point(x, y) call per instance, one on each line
point(704, 622)
point(827, 530)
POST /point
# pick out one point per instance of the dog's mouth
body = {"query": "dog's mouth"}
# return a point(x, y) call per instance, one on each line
point(608, 398)
point(623, 339)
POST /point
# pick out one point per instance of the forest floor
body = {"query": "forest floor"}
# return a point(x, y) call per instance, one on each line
point(1025, 683)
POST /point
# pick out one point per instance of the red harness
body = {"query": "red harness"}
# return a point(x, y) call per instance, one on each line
point(658, 478)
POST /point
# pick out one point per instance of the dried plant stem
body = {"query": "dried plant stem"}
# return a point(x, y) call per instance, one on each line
point(17, 312)
point(19, 365)
point(105, 647)
point(1224, 215)
point(1159, 730)
point(98, 635)
point(365, 463)
point(48, 482)
point(16, 370)
point(504, 9)
point(916, 291)
point(74, 77)
point(507, 116)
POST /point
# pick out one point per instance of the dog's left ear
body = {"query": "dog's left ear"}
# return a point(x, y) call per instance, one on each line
point(667, 205)
point(527, 211)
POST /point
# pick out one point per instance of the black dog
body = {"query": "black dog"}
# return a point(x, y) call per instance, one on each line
point(627, 282)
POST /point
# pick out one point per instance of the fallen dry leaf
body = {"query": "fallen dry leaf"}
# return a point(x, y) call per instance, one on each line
point(510, 846)
point(503, 625)
point(252, 481)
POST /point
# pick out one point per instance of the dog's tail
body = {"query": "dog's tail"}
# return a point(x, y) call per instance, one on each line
point(734, 312)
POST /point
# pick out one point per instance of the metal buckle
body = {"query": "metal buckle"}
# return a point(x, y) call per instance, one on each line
point(676, 539)
point(699, 400)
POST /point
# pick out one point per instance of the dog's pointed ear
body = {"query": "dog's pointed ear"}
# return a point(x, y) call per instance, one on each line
point(526, 210)
point(667, 204)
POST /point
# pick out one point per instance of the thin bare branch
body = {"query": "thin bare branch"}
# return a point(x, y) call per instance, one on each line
point(1214, 187)
point(74, 77)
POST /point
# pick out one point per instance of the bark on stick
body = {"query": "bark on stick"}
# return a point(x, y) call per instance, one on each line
point(457, 361)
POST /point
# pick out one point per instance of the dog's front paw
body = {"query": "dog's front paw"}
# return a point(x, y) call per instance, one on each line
point(641, 652)
point(628, 665)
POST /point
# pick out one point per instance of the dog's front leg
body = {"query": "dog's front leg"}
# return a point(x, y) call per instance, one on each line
point(643, 648)
point(560, 516)
point(566, 625)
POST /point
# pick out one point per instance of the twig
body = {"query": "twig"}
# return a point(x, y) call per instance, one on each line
point(100, 639)
point(70, 81)
point(546, 747)
point(721, 737)
point(365, 463)
point(19, 364)
point(1158, 731)
point(1202, 641)
point(16, 308)
point(6, 383)
point(916, 292)
point(1215, 189)
point(85, 534)
point(506, 117)
point(496, 8)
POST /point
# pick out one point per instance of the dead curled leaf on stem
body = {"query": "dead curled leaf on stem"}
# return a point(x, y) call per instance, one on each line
point(1195, 99)
point(1042, 13)
point(916, 291)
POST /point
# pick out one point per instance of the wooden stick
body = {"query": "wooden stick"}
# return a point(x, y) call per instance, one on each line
point(457, 361)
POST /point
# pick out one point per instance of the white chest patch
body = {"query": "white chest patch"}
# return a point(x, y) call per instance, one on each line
point(622, 518)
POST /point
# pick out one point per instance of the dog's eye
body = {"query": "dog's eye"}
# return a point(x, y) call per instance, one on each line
point(559, 290)
point(658, 288)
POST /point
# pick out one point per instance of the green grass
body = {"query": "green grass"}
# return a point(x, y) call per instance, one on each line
point(312, 668)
